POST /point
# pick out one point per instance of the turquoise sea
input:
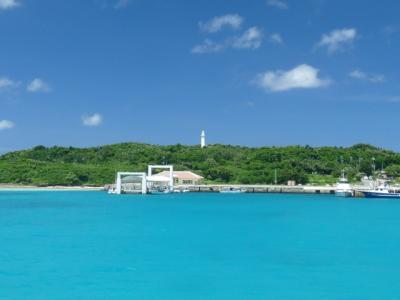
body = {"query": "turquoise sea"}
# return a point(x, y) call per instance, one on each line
point(91, 245)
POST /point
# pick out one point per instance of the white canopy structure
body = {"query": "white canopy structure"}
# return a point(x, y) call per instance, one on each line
point(140, 182)
point(139, 177)
point(157, 178)
point(161, 179)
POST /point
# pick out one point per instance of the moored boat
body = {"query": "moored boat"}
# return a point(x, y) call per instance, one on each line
point(343, 187)
point(383, 191)
point(182, 191)
point(232, 190)
point(160, 191)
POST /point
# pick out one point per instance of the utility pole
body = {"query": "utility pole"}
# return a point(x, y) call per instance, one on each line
point(276, 179)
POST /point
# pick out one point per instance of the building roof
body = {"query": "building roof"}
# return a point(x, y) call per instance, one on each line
point(182, 175)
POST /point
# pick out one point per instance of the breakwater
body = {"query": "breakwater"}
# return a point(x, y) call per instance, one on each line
point(263, 188)
point(307, 189)
point(283, 189)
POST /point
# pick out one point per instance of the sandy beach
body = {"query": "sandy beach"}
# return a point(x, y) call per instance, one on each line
point(17, 187)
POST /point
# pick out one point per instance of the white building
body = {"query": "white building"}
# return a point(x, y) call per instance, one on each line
point(184, 177)
point(203, 139)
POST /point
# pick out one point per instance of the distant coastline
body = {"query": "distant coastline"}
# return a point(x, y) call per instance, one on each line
point(55, 168)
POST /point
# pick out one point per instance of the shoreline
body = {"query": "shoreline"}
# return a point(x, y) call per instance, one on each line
point(16, 187)
point(213, 188)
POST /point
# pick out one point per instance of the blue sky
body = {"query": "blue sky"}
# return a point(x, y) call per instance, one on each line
point(260, 72)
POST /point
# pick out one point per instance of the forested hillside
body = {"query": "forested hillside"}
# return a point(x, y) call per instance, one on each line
point(217, 163)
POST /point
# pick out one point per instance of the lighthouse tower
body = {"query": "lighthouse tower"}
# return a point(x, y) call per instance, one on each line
point(203, 139)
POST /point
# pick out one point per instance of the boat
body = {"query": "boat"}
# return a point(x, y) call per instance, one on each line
point(155, 192)
point(160, 191)
point(112, 191)
point(182, 191)
point(382, 191)
point(232, 190)
point(343, 188)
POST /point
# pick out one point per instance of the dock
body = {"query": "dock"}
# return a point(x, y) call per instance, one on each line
point(216, 188)
point(277, 189)
point(169, 181)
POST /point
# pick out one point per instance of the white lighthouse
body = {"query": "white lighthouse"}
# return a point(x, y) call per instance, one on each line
point(203, 139)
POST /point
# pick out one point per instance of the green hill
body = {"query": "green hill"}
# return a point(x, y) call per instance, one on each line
point(217, 163)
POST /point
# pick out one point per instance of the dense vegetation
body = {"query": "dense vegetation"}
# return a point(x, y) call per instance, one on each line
point(217, 163)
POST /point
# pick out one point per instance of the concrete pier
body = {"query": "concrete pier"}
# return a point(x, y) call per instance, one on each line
point(278, 189)
point(264, 188)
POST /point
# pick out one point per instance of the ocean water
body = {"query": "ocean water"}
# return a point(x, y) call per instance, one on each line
point(91, 245)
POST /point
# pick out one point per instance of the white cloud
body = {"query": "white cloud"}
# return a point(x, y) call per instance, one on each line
point(276, 38)
point(358, 74)
point(390, 33)
point(250, 104)
point(390, 30)
point(393, 99)
point(8, 4)
point(338, 39)
point(207, 46)
point(92, 120)
point(217, 23)
point(121, 4)
point(38, 85)
point(303, 76)
point(250, 39)
point(278, 4)
point(374, 78)
point(5, 124)
point(6, 83)
point(114, 4)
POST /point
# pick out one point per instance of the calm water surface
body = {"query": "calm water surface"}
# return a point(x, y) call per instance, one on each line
point(89, 245)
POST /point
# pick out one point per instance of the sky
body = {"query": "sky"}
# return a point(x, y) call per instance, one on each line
point(253, 73)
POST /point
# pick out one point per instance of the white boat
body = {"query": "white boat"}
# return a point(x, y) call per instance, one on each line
point(182, 191)
point(112, 190)
point(343, 187)
point(160, 191)
point(232, 190)
point(383, 191)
